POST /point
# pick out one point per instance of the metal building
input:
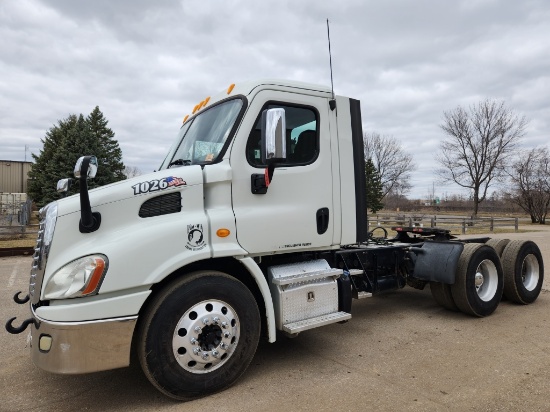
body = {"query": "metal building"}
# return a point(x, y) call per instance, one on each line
point(14, 176)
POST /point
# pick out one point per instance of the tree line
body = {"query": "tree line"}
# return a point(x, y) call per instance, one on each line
point(481, 148)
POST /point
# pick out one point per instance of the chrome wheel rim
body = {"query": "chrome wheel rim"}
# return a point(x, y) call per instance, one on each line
point(530, 272)
point(486, 280)
point(206, 336)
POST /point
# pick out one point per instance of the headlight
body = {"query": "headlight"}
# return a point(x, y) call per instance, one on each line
point(81, 277)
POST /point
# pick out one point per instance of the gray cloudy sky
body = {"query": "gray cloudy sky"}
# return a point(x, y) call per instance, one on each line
point(146, 64)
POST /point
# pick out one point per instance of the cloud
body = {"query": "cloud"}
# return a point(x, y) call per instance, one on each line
point(146, 64)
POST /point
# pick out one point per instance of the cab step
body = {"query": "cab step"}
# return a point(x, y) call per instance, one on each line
point(361, 294)
point(306, 276)
point(323, 320)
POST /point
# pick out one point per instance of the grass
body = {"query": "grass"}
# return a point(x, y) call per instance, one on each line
point(28, 240)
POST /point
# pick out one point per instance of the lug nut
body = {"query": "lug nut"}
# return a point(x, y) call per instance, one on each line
point(205, 355)
point(223, 346)
point(206, 321)
point(224, 325)
point(198, 329)
point(193, 341)
point(215, 353)
point(226, 334)
point(196, 351)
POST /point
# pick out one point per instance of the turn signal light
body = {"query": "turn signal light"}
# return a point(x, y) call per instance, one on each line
point(223, 232)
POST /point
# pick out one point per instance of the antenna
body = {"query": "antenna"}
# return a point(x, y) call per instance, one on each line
point(331, 103)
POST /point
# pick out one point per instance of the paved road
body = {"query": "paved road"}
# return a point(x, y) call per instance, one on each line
point(399, 352)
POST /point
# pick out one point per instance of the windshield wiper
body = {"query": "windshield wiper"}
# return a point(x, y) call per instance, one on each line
point(180, 162)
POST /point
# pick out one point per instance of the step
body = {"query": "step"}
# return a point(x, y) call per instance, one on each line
point(307, 276)
point(361, 294)
point(356, 272)
point(301, 325)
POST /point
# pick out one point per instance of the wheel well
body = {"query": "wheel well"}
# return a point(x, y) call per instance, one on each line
point(229, 266)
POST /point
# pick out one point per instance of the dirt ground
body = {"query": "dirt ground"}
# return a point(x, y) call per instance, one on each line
point(400, 351)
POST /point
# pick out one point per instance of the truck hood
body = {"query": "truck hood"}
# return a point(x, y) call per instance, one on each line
point(144, 186)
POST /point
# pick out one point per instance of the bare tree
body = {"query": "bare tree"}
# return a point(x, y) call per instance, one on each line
point(393, 164)
point(479, 143)
point(531, 179)
point(131, 171)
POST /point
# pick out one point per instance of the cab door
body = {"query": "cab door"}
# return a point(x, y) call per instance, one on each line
point(297, 210)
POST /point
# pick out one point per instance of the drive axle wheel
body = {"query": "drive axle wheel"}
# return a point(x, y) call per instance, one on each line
point(498, 245)
point(523, 271)
point(198, 335)
point(479, 280)
point(441, 293)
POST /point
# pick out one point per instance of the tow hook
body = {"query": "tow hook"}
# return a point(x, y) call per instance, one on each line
point(20, 301)
point(15, 331)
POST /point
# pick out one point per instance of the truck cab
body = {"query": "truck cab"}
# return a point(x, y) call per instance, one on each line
point(254, 225)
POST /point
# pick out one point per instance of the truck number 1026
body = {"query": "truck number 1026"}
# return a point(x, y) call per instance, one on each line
point(158, 184)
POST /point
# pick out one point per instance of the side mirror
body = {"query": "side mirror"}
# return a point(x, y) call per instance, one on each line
point(273, 148)
point(63, 186)
point(273, 143)
point(86, 167)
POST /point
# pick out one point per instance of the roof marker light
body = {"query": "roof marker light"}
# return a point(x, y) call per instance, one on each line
point(206, 101)
point(230, 88)
point(185, 118)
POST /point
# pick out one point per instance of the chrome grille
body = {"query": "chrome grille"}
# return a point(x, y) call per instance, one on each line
point(38, 264)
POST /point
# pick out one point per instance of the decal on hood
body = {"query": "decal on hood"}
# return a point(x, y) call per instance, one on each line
point(158, 184)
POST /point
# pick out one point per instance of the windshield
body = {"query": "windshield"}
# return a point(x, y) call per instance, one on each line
point(201, 140)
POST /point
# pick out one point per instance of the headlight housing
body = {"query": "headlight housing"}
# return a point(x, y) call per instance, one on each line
point(81, 277)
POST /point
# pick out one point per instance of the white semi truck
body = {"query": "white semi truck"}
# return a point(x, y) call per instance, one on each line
point(255, 224)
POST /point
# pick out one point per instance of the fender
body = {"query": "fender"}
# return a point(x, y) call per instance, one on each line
point(258, 276)
point(437, 261)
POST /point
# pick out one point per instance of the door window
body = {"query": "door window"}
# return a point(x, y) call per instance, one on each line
point(302, 136)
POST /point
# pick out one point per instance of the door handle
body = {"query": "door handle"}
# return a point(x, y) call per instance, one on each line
point(322, 220)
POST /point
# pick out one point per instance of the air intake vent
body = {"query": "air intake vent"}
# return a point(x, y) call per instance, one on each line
point(161, 205)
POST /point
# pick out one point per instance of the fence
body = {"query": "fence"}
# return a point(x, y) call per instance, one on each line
point(453, 223)
point(15, 215)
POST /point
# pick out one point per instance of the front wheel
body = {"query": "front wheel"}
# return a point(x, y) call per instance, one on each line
point(198, 335)
point(479, 280)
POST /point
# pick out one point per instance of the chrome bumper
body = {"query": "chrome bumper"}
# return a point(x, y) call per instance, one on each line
point(81, 347)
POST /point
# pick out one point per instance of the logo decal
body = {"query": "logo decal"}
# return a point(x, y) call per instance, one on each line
point(195, 237)
point(160, 184)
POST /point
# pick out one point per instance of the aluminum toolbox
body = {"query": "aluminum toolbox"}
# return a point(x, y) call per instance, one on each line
point(304, 290)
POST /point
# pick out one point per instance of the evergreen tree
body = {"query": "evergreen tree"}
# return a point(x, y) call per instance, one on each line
point(109, 155)
point(42, 186)
point(64, 144)
point(374, 187)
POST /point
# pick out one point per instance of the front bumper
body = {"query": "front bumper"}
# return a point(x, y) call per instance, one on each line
point(81, 347)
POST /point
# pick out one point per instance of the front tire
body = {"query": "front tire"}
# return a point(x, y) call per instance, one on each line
point(479, 280)
point(523, 271)
point(199, 335)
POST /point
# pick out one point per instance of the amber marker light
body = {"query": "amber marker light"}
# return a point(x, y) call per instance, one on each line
point(206, 101)
point(230, 88)
point(223, 232)
point(95, 278)
point(185, 118)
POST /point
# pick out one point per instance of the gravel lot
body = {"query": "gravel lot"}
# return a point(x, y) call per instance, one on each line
point(399, 352)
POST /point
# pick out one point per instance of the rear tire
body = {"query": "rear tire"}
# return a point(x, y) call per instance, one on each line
point(523, 271)
point(479, 280)
point(498, 245)
point(442, 294)
point(198, 335)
